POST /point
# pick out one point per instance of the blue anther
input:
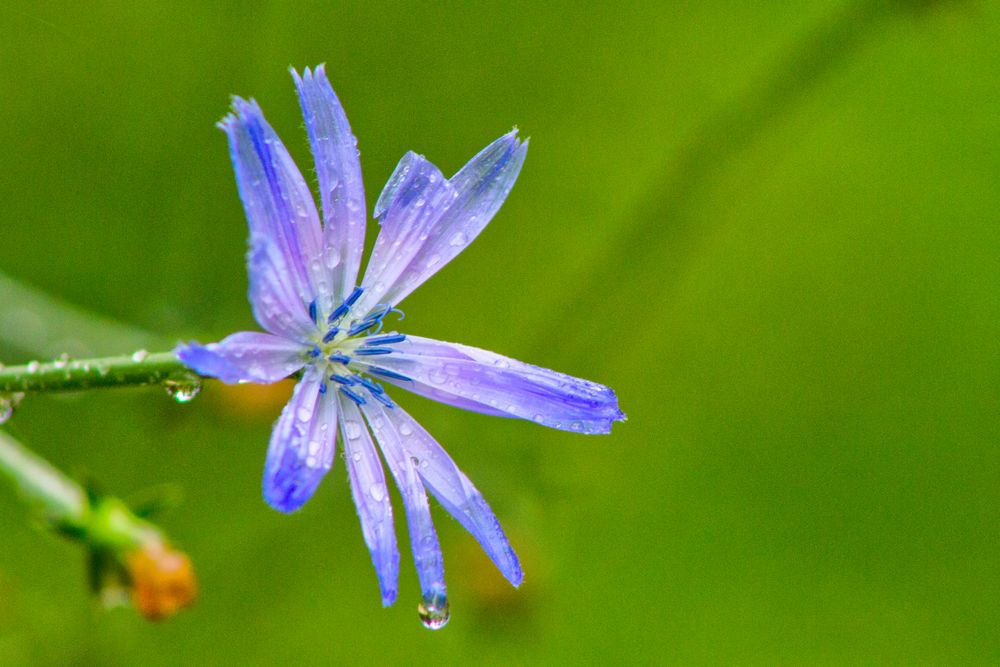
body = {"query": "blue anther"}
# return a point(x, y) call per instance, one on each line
point(343, 379)
point(386, 340)
point(312, 310)
point(351, 395)
point(385, 372)
point(361, 326)
point(331, 334)
point(322, 387)
point(337, 313)
point(383, 399)
point(353, 298)
point(340, 359)
point(371, 351)
point(315, 352)
point(371, 386)
point(383, 310)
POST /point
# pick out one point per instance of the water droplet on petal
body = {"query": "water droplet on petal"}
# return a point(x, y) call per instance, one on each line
point(434, 611)
point(459, 239)
point(352, 429)
point(331, 257)
point(405, 429)
point(437, 376)
point(182, 391)
point(377, 492)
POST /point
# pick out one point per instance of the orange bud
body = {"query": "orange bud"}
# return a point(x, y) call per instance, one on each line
point(163, 580)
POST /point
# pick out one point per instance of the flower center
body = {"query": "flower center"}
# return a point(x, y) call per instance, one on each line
point(346, 348)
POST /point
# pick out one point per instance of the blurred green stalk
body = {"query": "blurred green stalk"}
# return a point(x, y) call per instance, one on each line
point(37, 323)
point(62, 500)
point(102, 522)
point(128, 557)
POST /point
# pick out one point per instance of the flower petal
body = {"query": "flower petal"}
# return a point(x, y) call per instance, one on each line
point(302, 445)
point(458, 212)
point(278, 203)
point(483, 381)
point(247, 356)
point(423, 538)
point(371, 497)
point(338, 170)
point(273, 293)
point(413, 201)
point(455, 492)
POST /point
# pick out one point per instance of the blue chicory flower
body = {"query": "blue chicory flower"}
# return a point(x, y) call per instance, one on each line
point(304, 293)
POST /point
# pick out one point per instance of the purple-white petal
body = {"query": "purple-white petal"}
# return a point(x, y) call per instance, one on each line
point(476, 192)
point(302, 445)
point(342, 191)
point(423, 538)
point(371, 498)
point(279, 205)
point(412, 202)
point(455, 492)
point(482, 381)
point(273, 295)
point(247, 356)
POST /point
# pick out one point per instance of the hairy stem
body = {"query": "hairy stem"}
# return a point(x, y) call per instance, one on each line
point(140, 368)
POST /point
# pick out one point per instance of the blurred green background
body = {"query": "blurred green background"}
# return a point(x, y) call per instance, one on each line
point(772, 228)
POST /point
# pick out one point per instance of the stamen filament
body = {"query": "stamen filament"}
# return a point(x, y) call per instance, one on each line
point(388, 339)
point(363, 325)
point(353, 396)
point(371, 386)
point(383, 399)
point(385, 372)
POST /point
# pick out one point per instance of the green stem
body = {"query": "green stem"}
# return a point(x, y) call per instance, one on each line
point(63, 501)
point(137, 369)
point(103, 522)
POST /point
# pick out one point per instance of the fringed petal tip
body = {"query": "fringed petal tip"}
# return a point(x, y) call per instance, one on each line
point(309, 74)
point(241, 110)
